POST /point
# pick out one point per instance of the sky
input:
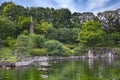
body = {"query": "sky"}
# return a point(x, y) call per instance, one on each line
point(94, 6)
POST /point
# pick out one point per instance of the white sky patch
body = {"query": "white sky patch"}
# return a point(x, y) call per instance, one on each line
point(44, 3)
point(70, 4)
point(111, 7)
point(95, 4)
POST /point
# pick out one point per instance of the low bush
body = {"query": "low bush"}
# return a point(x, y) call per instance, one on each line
point(25, 32)
point(38, 40)
point(7, 56)
point(23, 45)
point(5, 52)
point(9, 42)
point(10, 59)
point(54, 48)
point(71, 46)
point(67, 51)
point(80, 50)
point(38, 52)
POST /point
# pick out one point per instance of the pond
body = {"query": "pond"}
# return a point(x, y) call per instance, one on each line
point(88, 69)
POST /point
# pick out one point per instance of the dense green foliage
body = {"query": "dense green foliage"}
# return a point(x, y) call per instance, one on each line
point(5, 55)
point(80, 50)
point(54, 48)
point(91, 34)
point(23, 24)
point(57, 30)
point(38, 40)
point(10, 41)
point(23, 45)
point(7, 28)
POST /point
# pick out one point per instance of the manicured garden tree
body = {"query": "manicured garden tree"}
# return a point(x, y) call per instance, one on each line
point(54, 48)
point(91, 35)
point(38, 40)
point(23, 45)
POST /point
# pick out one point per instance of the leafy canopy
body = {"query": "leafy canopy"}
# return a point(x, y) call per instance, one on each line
point(91, 34)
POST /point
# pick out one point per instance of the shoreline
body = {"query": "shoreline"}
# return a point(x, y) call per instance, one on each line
point(29, 60)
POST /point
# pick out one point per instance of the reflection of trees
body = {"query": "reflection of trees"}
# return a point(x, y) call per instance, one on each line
point(31, 74)
point(70, 71)
point(78, 70)
point(20, 74)
point(105, 69)
point(63, 73)
point(98, 70)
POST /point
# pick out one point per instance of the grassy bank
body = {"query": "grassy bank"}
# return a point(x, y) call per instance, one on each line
point(7, 56)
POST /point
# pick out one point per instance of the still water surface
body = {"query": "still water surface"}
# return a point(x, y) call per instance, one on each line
point(89, 69)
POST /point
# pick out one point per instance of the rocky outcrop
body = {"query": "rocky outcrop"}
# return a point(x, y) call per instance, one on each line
point(101, 53)
point(90, 54)
point(7, 64)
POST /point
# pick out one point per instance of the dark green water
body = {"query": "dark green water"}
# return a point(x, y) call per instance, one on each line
point(67, 70)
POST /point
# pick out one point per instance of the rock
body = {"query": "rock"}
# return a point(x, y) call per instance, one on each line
point(43, 69)
point(45, 64)
point(44, 76)
point(0, 65)
point(7, 64)
point(90, 53)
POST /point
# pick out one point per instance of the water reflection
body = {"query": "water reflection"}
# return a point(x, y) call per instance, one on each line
point(91, 63)
point(20, 73)
point(90, 69)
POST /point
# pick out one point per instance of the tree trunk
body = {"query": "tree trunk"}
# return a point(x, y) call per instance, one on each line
point(31, 27)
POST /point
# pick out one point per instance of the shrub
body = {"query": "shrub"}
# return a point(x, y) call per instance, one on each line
point(70, 46)
point(80, 50)
point(11, 59)
point(38, 52)
point(38, 40)
point(67, 51)
point(23, 45)
point(54, 48)
point(5, 52)
point(10, 42)
point(25, 32)
point(6, 56)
